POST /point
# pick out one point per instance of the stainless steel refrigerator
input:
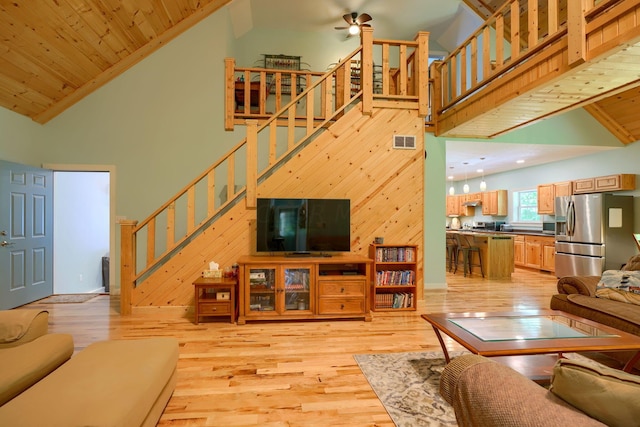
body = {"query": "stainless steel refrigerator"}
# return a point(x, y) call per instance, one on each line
point(594, 232)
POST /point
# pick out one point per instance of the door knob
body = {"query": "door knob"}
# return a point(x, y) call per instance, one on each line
point(5, 243)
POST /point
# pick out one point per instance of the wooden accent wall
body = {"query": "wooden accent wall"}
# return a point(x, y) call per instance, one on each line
point(353, 159)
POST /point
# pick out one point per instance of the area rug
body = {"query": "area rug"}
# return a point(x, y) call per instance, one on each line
point(407, 385)
point(67, 298)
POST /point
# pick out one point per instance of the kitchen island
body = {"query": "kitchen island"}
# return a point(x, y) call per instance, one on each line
point(497, 252)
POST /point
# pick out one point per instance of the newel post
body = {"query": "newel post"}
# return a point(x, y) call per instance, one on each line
point(252, 163)
point(127, 264)
point(229, 92)
point(366, 71)
point(422, 79)
point(576, 32)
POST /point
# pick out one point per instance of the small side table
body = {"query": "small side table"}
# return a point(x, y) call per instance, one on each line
point(207, 302)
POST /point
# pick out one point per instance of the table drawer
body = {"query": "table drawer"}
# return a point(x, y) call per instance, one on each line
point(341, 306)
point(341, 287)
point(214, 308)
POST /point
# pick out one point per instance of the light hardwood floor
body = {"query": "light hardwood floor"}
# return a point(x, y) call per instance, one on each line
point(291, 373)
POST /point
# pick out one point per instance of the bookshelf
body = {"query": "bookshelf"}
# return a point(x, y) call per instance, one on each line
point(393, 282)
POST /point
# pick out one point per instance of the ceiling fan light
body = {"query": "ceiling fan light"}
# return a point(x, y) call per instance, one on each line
point(354, 29)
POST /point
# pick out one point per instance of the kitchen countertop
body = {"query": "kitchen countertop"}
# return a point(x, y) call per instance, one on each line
point(493, 232)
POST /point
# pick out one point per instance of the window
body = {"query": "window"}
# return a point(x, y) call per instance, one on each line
point(525, 206)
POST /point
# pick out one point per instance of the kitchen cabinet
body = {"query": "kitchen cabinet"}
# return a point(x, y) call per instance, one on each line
point(495, 202)
point(534, 252)
point(548, 261)
point(547, 194)
point(600, 184)
point(453, 205)
point(518, 251)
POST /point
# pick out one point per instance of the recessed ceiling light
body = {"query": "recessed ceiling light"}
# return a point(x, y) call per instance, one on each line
point(519, 161)
point(479, 170)
point(450, 177)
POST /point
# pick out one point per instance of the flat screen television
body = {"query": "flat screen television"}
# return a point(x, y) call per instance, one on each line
point(303, 226)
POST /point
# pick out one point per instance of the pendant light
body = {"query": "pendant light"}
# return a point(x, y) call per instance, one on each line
point(465, 188)
point(483, 183)
point(452, 191)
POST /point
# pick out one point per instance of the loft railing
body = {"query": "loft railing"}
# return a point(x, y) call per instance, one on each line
point(512, 35)
point(402, 84)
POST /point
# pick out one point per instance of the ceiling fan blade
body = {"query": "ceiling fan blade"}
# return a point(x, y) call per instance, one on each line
point(341, 28)
point(350, 18)
point(365, 17)
point(365, 25)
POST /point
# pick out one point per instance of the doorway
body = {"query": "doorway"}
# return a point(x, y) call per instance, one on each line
point(84, 230)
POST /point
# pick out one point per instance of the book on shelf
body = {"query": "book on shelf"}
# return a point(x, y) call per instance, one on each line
point(394, 300)
point(395, 254)
point(395, 277)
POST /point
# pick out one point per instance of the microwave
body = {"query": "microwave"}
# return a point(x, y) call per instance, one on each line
point(549, 227)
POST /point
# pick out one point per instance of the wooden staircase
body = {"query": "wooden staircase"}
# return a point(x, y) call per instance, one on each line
point(340, 147)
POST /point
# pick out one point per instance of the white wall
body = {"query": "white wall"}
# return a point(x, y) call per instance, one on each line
point(81, 230)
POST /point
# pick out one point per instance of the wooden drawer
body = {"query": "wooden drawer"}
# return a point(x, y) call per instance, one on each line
point(341, 306)
point(341, 287)
point(214, 308)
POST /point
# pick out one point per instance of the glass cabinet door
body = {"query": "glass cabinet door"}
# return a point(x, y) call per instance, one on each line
point(297, 292)
point(262, 289)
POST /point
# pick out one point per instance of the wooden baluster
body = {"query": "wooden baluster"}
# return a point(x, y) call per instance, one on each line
point(211, 193)
point(421, 60)
point(229, 94)
point(151, 241)
point(191, 209)
point(252, 163)
point(533, 23)
point(127, 264)
point(515, 30)
point(499, 41)
point(171, 224)
point(366, 70)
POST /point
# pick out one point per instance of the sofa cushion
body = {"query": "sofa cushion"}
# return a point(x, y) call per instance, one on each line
point(604, 393)
point(628, 315)
point(22, 325)
point(114, 383)
point(25, 365)
point(618, 285)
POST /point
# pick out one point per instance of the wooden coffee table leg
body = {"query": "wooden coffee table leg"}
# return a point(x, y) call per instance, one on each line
point(444, 348)
point(629, 365)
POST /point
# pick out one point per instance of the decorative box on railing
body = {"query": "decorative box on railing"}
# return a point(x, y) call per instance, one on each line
point(283, 62)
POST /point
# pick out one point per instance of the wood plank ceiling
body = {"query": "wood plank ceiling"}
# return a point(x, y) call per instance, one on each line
point(54, 53)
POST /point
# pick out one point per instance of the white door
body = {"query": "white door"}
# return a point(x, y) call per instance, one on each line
point(26, 234)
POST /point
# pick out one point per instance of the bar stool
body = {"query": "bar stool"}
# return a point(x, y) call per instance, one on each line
point(467, 250)
point(452, 251)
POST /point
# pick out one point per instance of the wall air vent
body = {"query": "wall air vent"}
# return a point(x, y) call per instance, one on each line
point(406, 142)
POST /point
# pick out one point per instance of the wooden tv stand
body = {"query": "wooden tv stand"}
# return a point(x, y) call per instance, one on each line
point(304, 288)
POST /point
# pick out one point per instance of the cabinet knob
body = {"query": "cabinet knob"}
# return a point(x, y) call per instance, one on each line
point(342, 290)
point(341, 306)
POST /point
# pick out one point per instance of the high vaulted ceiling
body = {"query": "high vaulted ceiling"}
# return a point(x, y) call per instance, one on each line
point(54, 53)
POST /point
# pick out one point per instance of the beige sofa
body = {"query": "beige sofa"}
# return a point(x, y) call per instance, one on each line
point(115, 383)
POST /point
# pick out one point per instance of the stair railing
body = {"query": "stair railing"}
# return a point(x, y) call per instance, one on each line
point(505, 41)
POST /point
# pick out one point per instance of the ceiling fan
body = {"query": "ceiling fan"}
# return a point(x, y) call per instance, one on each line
point(355, 22)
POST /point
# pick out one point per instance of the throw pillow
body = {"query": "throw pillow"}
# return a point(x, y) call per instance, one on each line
point(606, 394)
point(619, 285)
point(633, 263)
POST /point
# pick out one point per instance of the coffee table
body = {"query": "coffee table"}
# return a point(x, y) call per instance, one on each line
point(541, 335)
